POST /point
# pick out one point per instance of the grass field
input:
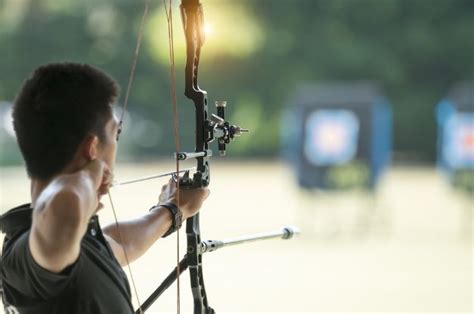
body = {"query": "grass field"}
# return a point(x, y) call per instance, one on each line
point(406, 249)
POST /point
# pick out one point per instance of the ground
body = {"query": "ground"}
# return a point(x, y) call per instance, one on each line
point(405, 249)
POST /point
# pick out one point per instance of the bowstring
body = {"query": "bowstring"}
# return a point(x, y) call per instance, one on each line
point(134, 65)
point(122, 116)
point(125, 254)
point(169, 17)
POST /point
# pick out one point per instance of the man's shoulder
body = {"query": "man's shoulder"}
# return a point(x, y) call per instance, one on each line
point(16, 219)
point(15, 224)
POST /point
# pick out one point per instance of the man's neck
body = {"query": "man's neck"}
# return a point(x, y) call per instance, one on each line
point(37, 186)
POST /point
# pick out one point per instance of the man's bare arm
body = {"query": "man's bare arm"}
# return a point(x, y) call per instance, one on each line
point(138, 235)
point(61, 215)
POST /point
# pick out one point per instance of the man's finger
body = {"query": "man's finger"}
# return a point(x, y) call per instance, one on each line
point(174, 178)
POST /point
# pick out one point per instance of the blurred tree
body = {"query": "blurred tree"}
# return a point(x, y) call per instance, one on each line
point(416, 50)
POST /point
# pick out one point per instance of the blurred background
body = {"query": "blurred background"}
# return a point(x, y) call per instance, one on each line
point(362, 134)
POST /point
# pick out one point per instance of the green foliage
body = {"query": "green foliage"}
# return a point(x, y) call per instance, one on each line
point(464, 180)
point(354, 175)
point(416, 50)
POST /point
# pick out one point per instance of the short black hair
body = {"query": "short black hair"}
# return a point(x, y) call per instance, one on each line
point(58, 106)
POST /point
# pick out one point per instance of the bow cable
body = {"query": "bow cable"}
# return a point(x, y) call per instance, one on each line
point(169, 18)
point(134, 65)
point(122, 116)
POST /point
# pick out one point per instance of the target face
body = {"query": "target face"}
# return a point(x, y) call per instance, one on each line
point(331, 137)
point(459, 145)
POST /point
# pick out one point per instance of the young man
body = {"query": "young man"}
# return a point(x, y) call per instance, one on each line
point(56, 258)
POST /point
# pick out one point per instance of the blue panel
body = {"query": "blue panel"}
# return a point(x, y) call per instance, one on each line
point(381, 144)
point(444, 111)
point(290, 135)
point(458, 146)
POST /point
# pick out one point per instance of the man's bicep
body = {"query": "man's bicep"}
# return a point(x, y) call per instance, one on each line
point(53, 253)
point(56, 232)
point(117, 249)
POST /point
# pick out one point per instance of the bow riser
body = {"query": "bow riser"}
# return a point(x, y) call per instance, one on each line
point(191, 12)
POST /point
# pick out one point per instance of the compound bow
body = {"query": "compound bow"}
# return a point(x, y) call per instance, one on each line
point(208, 127)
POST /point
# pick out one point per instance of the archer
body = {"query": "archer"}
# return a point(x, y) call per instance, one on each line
point(56, 258)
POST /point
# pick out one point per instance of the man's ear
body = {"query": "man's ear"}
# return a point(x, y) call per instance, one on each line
point(90, 147)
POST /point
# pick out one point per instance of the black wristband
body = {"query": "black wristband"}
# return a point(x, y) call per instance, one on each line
point(176, 215)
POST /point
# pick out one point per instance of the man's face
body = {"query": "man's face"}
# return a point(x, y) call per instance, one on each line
point(108, 147)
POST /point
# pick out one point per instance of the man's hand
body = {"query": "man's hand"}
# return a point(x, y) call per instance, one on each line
point(190, 199)
point(101, 177)
point(100, 174)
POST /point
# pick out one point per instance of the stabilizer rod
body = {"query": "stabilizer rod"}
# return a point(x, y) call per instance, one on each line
point(213, 245)
point(210, 246)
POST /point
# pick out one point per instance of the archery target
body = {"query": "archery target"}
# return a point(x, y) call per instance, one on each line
point(458, 150)
point(331, 137)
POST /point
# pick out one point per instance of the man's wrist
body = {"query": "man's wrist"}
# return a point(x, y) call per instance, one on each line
point(176, 217)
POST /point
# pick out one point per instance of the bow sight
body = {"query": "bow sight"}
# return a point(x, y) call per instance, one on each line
point(222, 129)
point(216, 128)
